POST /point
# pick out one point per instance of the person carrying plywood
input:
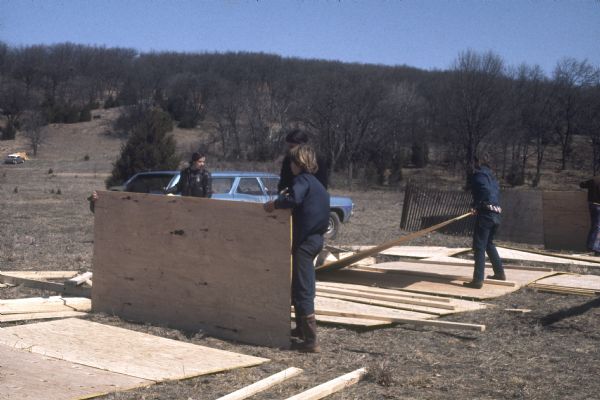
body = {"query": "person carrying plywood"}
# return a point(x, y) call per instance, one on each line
point(486, 207)
point(309, 202)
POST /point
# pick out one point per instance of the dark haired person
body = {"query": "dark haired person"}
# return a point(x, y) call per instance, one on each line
point(309, 202)
point(295, 138)
point(486, 207)
point(593, 188)
point(194, 180)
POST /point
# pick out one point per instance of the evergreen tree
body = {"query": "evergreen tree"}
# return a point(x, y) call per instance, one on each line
point(148, 148)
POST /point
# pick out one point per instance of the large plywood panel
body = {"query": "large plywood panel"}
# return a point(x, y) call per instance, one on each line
point(521, 217)
point(566, 220)
point(121, 350)
point(29, 376)
point(195, 264)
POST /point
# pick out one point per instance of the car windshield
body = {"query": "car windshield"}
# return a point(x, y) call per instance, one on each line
point(149, 183)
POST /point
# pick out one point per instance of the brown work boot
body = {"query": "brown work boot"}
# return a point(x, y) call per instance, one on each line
point(473, 284)
point(308, 326)
point(500, 277)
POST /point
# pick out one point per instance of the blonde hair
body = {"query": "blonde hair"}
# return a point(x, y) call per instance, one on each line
point(305, 158)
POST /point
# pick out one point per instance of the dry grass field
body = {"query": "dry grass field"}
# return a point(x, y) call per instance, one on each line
point(552, 352)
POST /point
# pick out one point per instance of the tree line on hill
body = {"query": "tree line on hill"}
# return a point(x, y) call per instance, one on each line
point(360, 116)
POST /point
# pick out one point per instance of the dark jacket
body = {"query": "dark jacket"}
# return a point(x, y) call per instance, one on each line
point(593, 187)
point(286, 176)
point(310, 203)
point(485, 189)
point(193, 182)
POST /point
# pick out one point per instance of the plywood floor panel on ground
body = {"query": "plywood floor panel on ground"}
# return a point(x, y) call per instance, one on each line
point(572, 281)
point(44, 305)
point(416, 283)
point(121, 350)
point(194, 263)
point(30, 376)
point(520, 277)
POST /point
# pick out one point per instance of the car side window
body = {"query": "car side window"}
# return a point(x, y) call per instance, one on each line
point(221, 185)
point(149, 184)
point(271, 185)
point(249, 186)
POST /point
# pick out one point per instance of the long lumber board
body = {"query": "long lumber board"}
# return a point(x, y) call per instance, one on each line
point(343, 308)
point(121, 350)
point(262, 385)
point(354, 322)
point(381, 291)
point(40, 315)
point(416, 251)
point(332, 386)
point(43, 285)
point(30, 376)
point(44, 305)
point(219, 266)
point(571, 283)
point(41, 275)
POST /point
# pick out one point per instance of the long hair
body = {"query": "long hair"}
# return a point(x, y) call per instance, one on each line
point(305, 158)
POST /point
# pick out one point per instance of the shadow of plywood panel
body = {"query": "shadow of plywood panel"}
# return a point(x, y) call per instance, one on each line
point(30, 376)
point(566, 220)
point(521, 217)
point(194, 264)
point(121, 350)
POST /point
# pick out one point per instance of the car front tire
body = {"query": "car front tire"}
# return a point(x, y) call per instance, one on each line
point(333, 227)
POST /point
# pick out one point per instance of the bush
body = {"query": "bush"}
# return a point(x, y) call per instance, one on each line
point(149, 147)
point(86, 114)
point(515, 176)
point(420, 154)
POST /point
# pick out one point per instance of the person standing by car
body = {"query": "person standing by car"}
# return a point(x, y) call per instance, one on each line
point(593, 188)
point(486, 207)
point(295, 138)
point(309, 202)
point(194, 180)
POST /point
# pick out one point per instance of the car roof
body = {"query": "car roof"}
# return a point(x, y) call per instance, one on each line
point(218, 174)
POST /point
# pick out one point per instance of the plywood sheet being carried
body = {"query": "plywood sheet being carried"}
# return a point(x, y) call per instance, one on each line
point(566, 220)
point(521, 217)
point(193, 263)
point(121, 350)
point(29, 376)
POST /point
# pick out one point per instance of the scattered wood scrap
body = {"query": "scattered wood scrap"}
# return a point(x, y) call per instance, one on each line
point(585, 285)
point(262, 385)
point(332, 386)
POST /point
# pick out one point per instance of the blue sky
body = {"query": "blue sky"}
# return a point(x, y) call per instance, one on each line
point(425, 34)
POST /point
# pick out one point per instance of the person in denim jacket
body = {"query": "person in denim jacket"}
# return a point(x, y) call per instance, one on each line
point(487, 210)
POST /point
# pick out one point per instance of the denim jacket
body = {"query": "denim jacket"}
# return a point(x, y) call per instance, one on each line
point(485, 188)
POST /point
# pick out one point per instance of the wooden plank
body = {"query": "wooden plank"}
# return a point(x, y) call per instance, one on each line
point(465, 262)
point(43, 285)
point(121, 350)
point(79, 279)
point(462, 307)
point(40, 275)
point(415, 283)
point(388, 299)
point(382, 291)
point(30, 376)
point(40, 315)
point(194, 264)
point(354, 322)
point(262, 385)
point(348, 308)
point(424, 251)
point(344, 262)
point(44, 304)
point(566, 220)
point(572, 281)
point(332, 386)
point(548, 256)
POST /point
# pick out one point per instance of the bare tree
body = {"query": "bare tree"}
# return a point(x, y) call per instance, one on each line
point(570, 79)
point(473, 99)
point(34, 129)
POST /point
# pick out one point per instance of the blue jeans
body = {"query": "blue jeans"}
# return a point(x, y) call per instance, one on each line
point(486, 225)
point(303, 275)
